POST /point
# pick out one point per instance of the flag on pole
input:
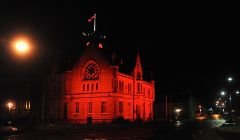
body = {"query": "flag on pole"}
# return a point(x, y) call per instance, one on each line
point(91, 18)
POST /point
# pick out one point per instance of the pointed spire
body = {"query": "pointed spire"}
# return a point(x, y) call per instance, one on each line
point(138, 67)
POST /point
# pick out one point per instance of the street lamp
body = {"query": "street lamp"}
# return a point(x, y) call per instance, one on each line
point(237, 92)
point(21, 46)
point(230, 79)
point(223, 93)
point(10, 107)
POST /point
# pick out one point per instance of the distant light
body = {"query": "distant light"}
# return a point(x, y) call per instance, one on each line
point(216, 116)
point(237, 92)
point(200, 108)
point(222, 93)
point(100, 45)
point(178, 110)
point(230, 79)
point(88, 43)
point(10, 105)
point(28, 105)
point(84, 34)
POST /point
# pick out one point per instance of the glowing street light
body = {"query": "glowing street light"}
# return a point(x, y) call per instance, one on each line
point(10, 106)
point(230, 79)
point(200, 108)
point(223, 93)
point(21, 46)
point(237, 92)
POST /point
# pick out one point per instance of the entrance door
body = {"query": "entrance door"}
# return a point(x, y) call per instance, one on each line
point(65, 111)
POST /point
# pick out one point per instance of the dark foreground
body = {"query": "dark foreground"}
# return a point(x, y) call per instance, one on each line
point(187, 130)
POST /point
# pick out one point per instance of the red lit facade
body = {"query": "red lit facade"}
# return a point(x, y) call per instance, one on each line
point(95, 91)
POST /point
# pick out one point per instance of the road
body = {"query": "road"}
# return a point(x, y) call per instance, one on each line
point(186, 130)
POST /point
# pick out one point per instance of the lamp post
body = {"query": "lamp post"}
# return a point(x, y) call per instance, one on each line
point(230, 79)
point(10, 106)
point(20, 46)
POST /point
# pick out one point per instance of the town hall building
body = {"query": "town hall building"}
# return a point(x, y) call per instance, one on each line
point(95, 90)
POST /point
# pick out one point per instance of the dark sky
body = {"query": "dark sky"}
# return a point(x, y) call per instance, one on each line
point(187, 45)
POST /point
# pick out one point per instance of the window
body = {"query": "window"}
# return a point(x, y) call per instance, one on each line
point(138, 76)
point(87, 87)
point(148, 92)
point(103, 107)
point(143, 107)
point(77, 107)
point(138, 87)
point(83, 87)
point(120, 107)
point(96, 86)
point(120, 86)
point(138, 111)
point(92, 86)
point(150, 108)
point(89, 107)
point(129, 108)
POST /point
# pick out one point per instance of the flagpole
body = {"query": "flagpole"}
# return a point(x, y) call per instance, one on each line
point(94, 26)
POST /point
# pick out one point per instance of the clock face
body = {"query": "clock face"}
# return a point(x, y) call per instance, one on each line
point(91, 72)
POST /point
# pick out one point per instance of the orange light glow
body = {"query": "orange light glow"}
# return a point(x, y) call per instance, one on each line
point(21, 46)
point(10, 105)
point(216, 116)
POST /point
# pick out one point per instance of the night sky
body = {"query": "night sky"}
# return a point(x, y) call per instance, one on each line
point(188, 46)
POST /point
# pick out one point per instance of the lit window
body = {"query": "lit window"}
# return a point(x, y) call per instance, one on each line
point(87, 87)
point(103, 107)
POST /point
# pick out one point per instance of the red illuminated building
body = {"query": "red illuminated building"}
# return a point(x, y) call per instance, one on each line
point(95, 90)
